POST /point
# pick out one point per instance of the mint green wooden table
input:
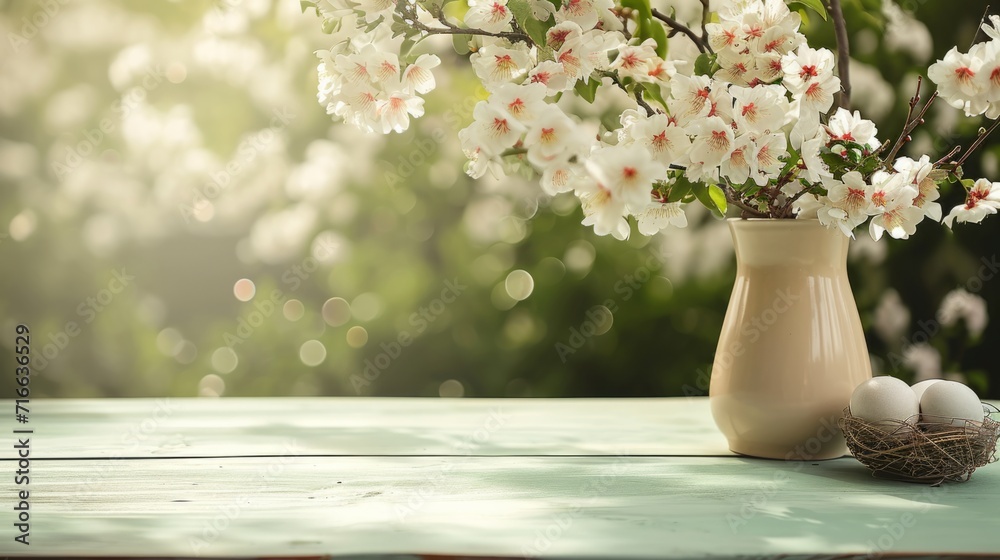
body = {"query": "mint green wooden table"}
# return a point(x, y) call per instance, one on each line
point(582, 478)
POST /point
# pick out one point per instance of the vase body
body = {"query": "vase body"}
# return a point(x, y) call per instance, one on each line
point(792, 349)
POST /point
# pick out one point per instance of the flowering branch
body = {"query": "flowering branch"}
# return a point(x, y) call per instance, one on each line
point(843, 53)
point(452, 29)
point(677, 26)
point(911, 121)
point(705, 13)
point(755, 128)
point(736, 199)
point(642, 103)
point(983, 133)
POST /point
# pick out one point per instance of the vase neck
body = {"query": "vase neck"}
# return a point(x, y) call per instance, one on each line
point(788, 243)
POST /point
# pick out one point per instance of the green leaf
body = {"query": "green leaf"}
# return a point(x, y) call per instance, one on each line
point(703, 194)
point(968, 183)
point(704, 65)
point(680, 189)
point(815, 5)
point(432, 6)
point(406, 47)
point(455, 11)
point(587, 89)
point(718, 196)
point(535, 29)
point(641, 6)
point(792, 161)
point(372, 26)
point(657, 32)
point(461, 44)
point(652, 91)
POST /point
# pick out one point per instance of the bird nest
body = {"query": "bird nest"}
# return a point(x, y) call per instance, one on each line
point(920, 451)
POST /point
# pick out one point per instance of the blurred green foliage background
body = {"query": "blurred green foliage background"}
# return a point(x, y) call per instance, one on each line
point(179, 146)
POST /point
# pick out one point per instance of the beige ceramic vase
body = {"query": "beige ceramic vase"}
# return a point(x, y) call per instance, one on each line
point(792, 349)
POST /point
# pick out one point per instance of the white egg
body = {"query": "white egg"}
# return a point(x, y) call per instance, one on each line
point(950, 399)
point(919, 388)
point(884, 398)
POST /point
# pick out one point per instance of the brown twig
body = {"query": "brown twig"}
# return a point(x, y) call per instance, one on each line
point(452, 29)
point(843, 53)
point(979, 28)
point(912, 122)
point(978, 142)
point(704, 22)
point(786, 211)
point(948, 156)
point(642, 103)
point(736, 200)
point(678, 26)
point(638, 92)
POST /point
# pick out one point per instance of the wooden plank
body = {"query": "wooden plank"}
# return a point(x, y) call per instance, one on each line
point(183, 427)
point(641, 507)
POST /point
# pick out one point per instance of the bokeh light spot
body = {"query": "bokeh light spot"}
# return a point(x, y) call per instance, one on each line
point(23, 225)
point(451, 389)
point(579, 256)
point(312, 353)
point(186, 352)
point(602, 319)
point(357, 337)
point(176, 72)
point(366, 307)
point(244, 289)
point(211, 386)
point(293, 310)
point(519, 285)
point(224, 359)
point(336, 311)
point(168, 341)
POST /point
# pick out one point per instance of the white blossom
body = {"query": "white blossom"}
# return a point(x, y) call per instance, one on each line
point(982, 200)
point(960, 305)
point(660, 215)
point(489, 15)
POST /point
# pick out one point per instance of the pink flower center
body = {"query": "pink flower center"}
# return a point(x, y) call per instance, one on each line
point(558, 36)
point(660, 141)
point(498, 13)
point(773, 45)
point(975, 195)
point(878, 198)
point(630, 60)
point(516, 107)
point(719, 140)
point(814, 91)
point(964, 74)
point(500, 126)
point(855, 199)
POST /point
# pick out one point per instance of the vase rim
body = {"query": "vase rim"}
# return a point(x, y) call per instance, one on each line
point(774, 222)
